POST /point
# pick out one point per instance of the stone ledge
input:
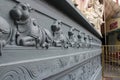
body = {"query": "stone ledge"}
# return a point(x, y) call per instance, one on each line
point(50, 66)
point(26, 56)
point(97, 75)
point(82, 71)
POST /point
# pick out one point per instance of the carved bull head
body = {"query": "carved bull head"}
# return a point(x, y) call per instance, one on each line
point(20, 12)
point(56, 26)
point(59, 38)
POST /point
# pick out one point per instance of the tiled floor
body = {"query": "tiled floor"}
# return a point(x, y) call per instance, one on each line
point(111, 71)
point(111, 78)
point(107, 79)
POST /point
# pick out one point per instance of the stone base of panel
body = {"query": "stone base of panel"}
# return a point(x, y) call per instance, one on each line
point(87, 70)
point(97, 75)
point(80, 63)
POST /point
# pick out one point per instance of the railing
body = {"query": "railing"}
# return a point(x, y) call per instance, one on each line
point(111, 61)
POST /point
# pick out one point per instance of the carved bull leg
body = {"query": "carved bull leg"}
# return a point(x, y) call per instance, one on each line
point(2, 44)
point(45, 45)
point(64, 44)
point(0, 49)
point(47, 38)
point(26, 41)
point(37, 42)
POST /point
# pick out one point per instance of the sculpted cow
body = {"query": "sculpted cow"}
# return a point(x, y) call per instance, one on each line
point(73, 41)
point(59, 39)
point(29, 32)
point(5, 33)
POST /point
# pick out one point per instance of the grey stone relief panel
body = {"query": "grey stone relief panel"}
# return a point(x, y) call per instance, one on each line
point(38, 70)
point(42, 69)
point(33, 28)
point(84, 72)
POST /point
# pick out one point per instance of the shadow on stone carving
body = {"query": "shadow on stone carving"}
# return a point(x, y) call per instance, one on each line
point(29, 32)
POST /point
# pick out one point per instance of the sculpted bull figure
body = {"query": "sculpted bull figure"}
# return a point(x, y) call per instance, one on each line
point(59, 39)
point(5, 33)
point(73, 42)
point(29, 33)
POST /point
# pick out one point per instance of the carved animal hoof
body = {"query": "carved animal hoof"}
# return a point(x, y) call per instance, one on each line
point(37, 46)
point(66, 46)
point(21, 43)
point(37, 43)
point(2, 44)
point(45, 45)
point(78, 46)
point(70, 44)
point(54, 44)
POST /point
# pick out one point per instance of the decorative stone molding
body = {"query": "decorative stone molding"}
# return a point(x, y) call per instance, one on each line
point(49, 67)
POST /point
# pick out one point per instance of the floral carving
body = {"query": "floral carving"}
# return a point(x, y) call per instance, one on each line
point(19, 73)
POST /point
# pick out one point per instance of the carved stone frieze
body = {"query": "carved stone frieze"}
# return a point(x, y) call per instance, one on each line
point(72, 51)
point(84, 72)
point(39, 70)
point(30, 33)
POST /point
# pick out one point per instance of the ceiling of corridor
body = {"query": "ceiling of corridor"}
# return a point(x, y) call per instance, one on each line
point(111, 8)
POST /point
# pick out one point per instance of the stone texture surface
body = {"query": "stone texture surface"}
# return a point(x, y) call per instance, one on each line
point(74, 67)
point(29, 63)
